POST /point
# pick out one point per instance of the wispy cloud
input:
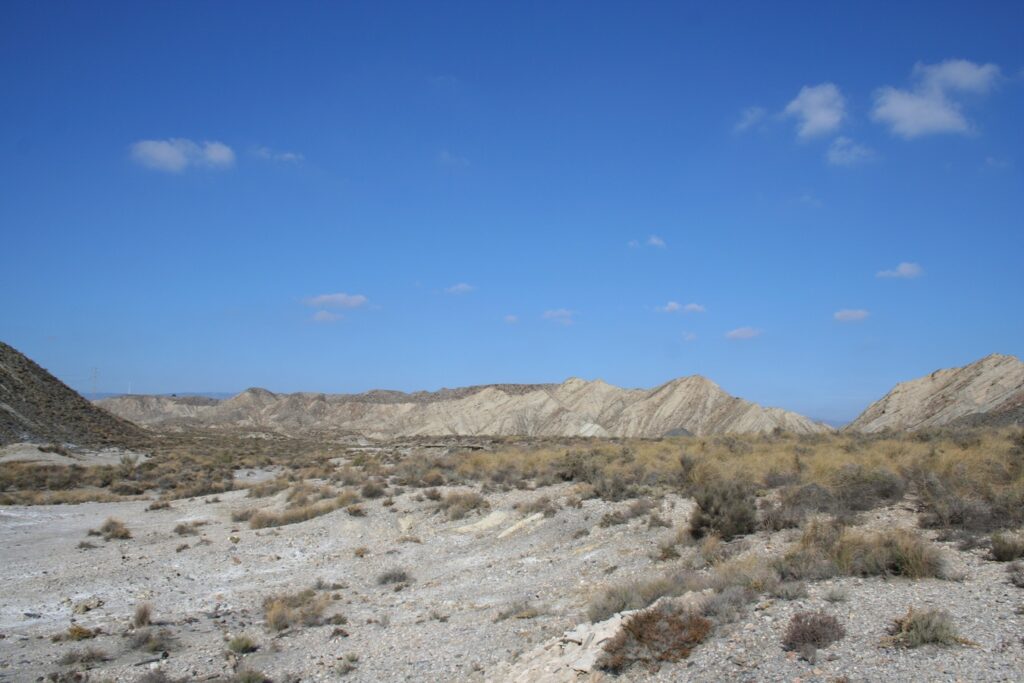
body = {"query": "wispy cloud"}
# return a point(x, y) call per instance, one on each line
point(820, 109)
point(338, 300)
point(326, 317)
point(905, 270)
point(850, 315)
point(676, 307)
point(511, 319)
point(929, 107)
point(743, 333)
point(689, 336)
point(655, 241)
point(461, 288)
point(562, 316)
point(845, 152)
point(749, 118)
point(450, 160)
point(274, 155)
point(174, 155)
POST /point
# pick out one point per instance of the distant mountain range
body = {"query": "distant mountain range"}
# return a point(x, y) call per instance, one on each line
point(688, 405)
point(35, 406)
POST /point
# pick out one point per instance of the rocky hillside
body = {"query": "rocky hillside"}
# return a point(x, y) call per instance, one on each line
point(576, 407)
point(36, 406)
point(987, 392)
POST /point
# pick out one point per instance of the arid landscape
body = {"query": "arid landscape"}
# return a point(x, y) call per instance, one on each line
point(224, 541)
point(511, 342)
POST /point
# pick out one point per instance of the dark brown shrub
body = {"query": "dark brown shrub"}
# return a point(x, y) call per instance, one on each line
point(814, 629)
point(653, 636)
point(723, 508)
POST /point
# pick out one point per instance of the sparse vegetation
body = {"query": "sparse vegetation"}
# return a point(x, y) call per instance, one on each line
point(922, 627)
point(1007, 547)
point(812, 630)
point(396, 575)
point(152, 640)
point(86, 656)
point(723, 508)
point(304, 608)
point(457, 505)
point(143, 615)
point(242, 645)
point(653, 636)
point(112, 529)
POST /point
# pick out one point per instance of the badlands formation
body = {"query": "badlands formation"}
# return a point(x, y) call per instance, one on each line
point(688, 405)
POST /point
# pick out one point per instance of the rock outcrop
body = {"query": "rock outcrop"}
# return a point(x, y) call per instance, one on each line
point(987, 392)
point(576, 407)
point(37, 407)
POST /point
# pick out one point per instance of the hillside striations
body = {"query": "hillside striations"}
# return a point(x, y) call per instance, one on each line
point(989, 391)
point(576, 407)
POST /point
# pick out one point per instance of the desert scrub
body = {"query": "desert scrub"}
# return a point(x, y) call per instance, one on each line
point(660, 634)
point(543, 504)
point(242, 644)
point(815, 630)
point(263, 519)
point(826, 549)
point(458, 505)
point(143, 615)
point(723, 508)
point(637, 508)
point(640, 593)
point(396, 575)
point(921, 627)
point(1007, 547)
point(304, 608)
point(1015, 573)
point(89, 655)
point(75, 632)
point(112, 529)
point(152, 640)
point(267, 488)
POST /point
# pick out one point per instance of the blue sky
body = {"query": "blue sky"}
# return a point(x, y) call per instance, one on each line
point(805, 202)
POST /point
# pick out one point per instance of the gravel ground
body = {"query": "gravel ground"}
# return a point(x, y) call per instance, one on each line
point(443, 626)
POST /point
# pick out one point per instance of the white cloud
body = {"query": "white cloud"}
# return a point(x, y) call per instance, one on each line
point(633, 244)
point(845, 152)
point(750, 117)
point(675, 307)
point(689, 336)
point(461, 288)
point(562, 316)
point(850, 315)
point(176, 154)
point(655, 241)
point(511, 319)
point(339, 300)
point(903, 270)
point(326, 317)
point(819, 108)
point(743, 333)
point(928, 108)
point(272, 155)
point(446, 158)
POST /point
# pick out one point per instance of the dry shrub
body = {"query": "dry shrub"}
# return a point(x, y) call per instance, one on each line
point(187, 529)
point(158, 505)
point(921, 627)
point(112, 529)
point(264, 519)
point(458, 505)
point(543, 504)
point(1015, 573)
point(89, 655)
point(892, 553)
point(75, 632)
point(1007, 547)
point(304, 608)
point(827, 548)
point(268, 488)
point(723, 508)
point(372, 489)
point(152, 640)
point(640, 593)
point(660, 634)
point(396, 575)
point(858, 487)
point(242, 645)
point(812, 629)
point(143, 615)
